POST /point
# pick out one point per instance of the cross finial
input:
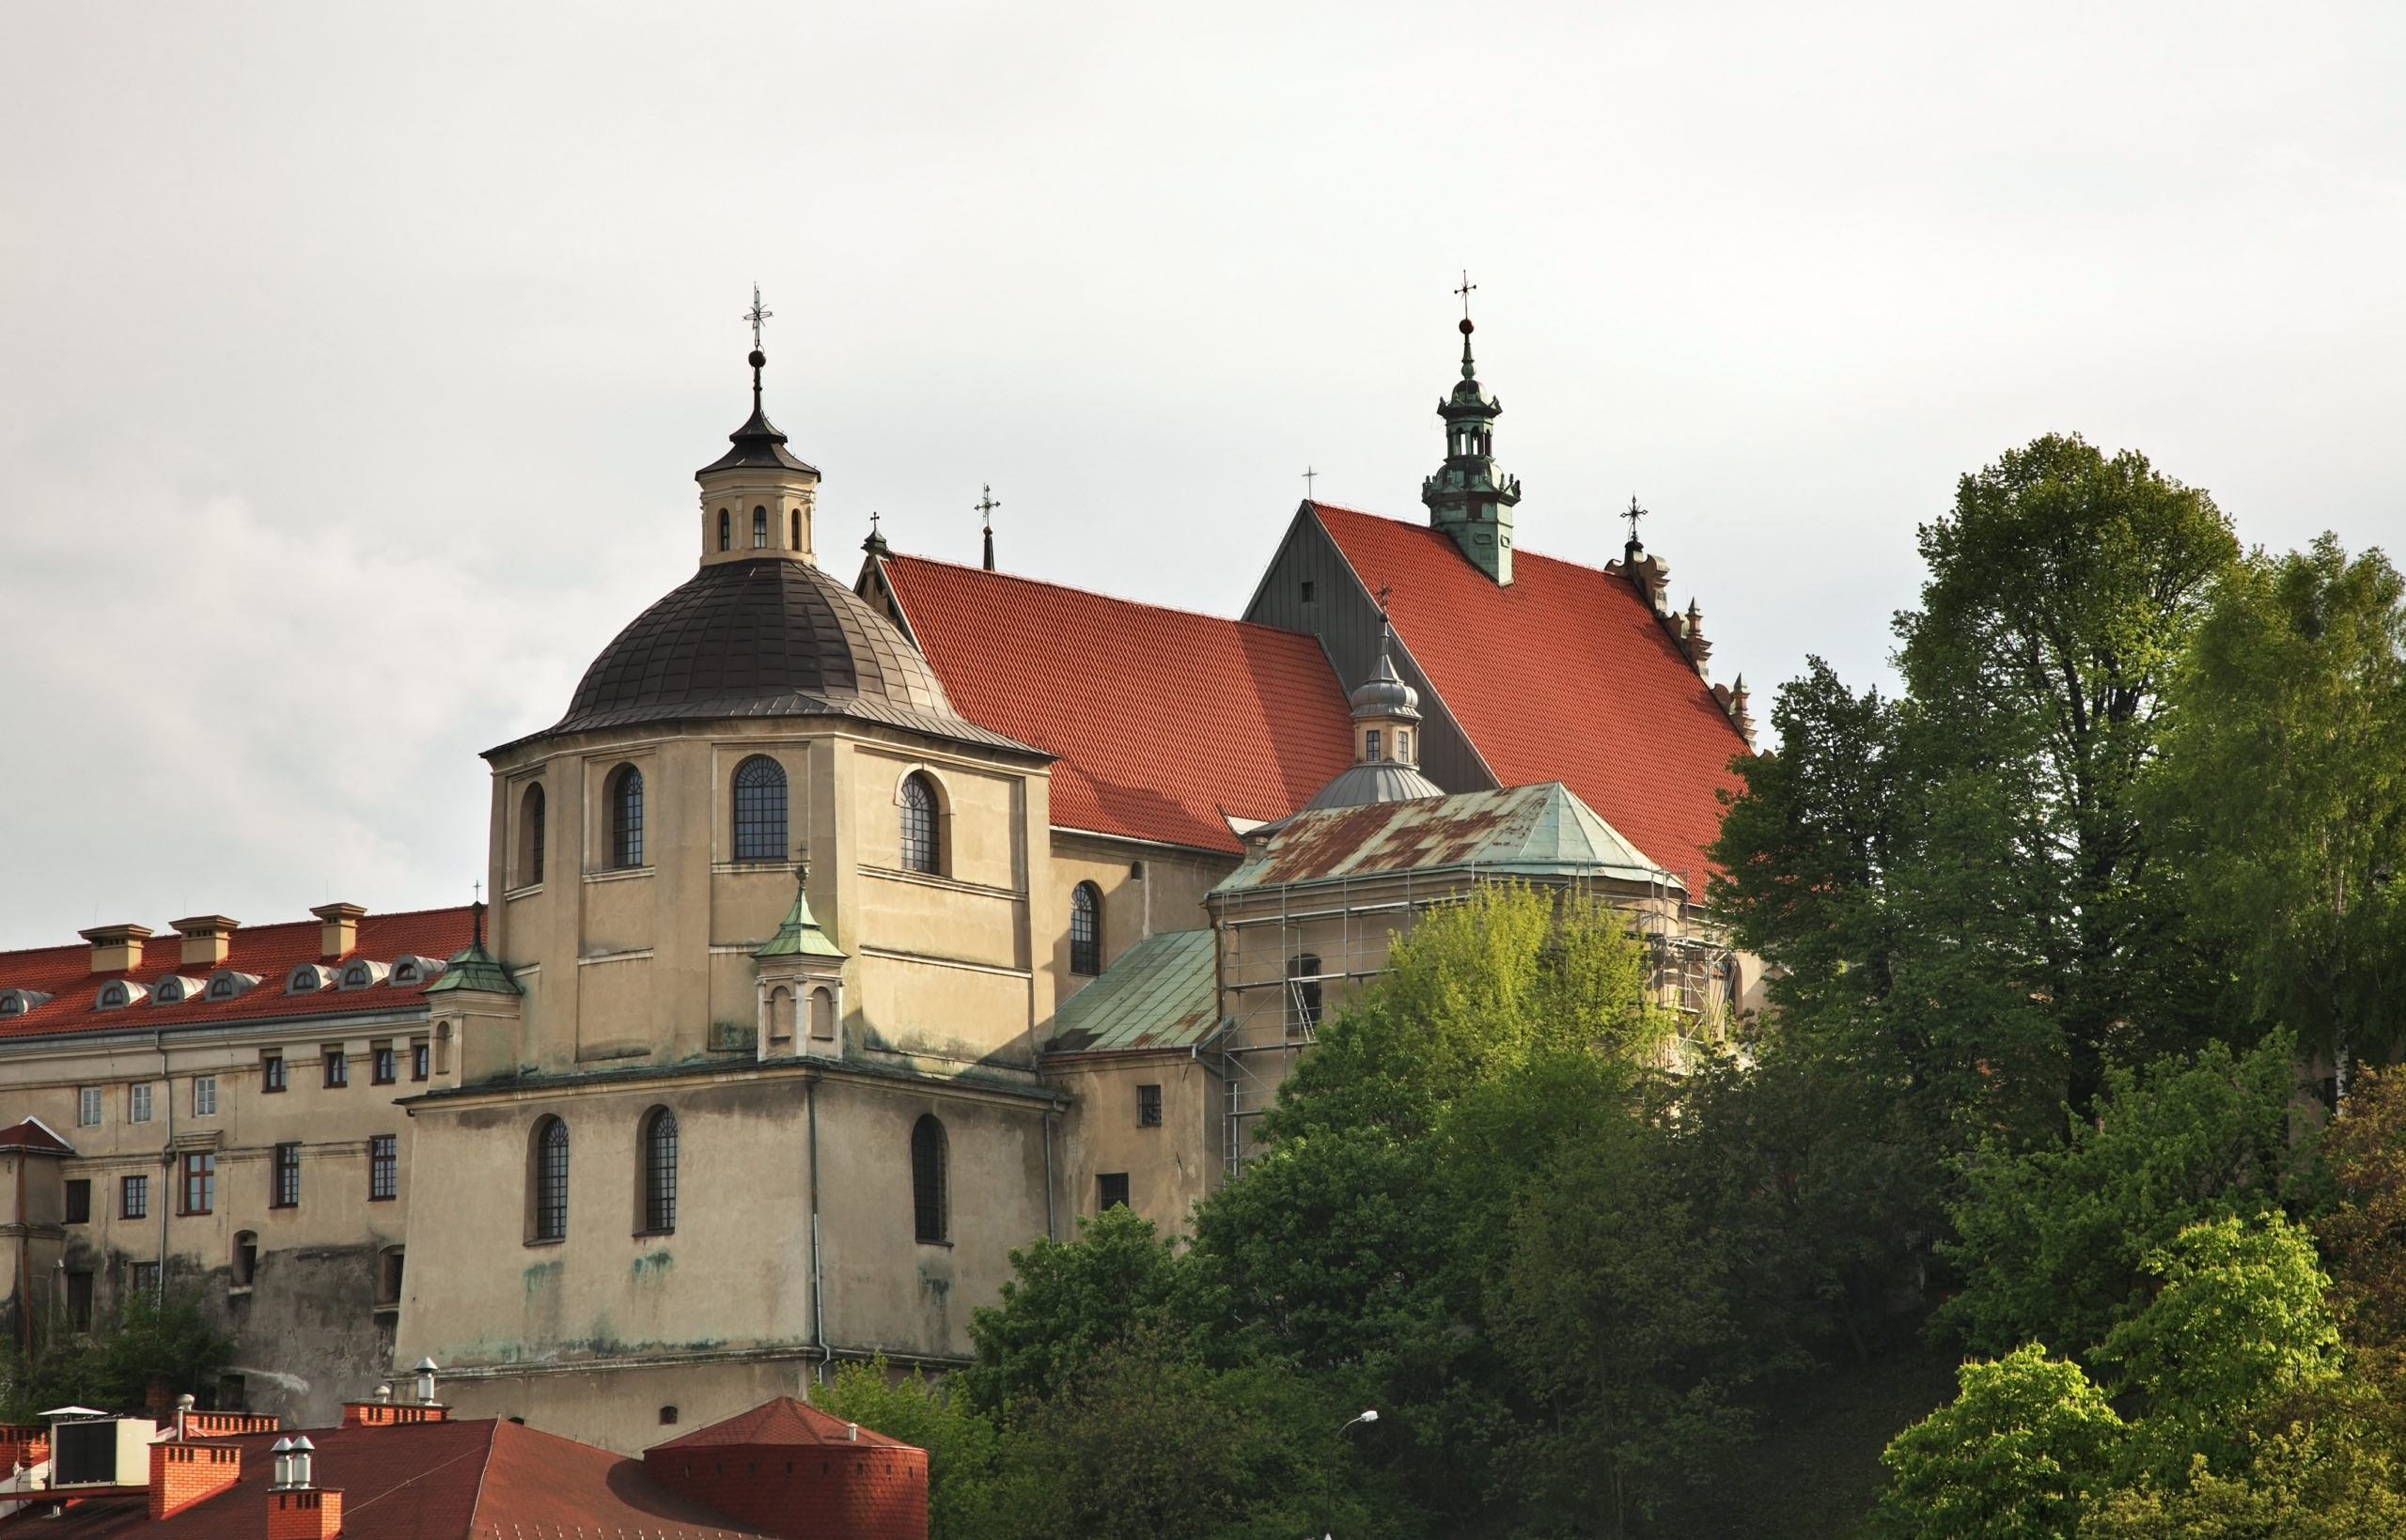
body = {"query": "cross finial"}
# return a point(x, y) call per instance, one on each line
point(986, 506)
point(1308, 474)
point(1633, 515)
point(755, 315)
point(1384, 589)
point(1465, 292)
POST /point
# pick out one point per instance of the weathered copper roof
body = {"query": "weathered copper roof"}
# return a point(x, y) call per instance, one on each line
point(1159, 993)
point(1538, 830)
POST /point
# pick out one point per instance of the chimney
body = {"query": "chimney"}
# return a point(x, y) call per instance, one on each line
point(116, 949)
point(424, 1372)
point(182, 1474)
point(208, 938)
point(305, 1513)
point(337, 929)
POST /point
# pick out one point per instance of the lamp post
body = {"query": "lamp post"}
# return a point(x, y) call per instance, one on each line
point(1328, 1485)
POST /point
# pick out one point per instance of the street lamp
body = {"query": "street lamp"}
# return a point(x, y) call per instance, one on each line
point(1328, 1485)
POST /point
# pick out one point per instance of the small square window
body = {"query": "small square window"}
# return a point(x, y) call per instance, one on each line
point(1148, 1106)
point(1113, 1190)
point(385, 1065)
point(204, 1095)
point(134, 1197)
point(146, 1278)
point(337, 1069)
point(272, 1073)
point(420, 1055)
point(87, 1106)
point(137, 1103)
point(79, 1201)
point(1310, 590)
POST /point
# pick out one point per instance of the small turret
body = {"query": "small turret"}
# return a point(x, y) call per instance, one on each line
point(756, 498)
point(1469, 498)
point(1386, 732)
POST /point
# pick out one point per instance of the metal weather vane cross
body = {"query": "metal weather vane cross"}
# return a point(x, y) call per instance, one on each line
point(1465, 292)
point(1633, 515)
point(755, 315)
point(986, 507)
point(1308, 476)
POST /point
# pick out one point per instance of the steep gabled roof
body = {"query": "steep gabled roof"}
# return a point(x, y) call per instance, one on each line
point(1164, 719)
point(783, 1420)
point(1566, 674)
point(36, 1135)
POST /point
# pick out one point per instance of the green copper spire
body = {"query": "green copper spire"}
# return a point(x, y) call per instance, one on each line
point(1469, 498)
point(799, 936)
point(474, 968)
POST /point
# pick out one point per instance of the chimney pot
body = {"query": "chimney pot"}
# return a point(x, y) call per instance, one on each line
point(116, 949)
point(337, 929)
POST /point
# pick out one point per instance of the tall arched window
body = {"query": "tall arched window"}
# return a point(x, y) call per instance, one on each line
point(530, 836)
point(759, 810)
point(660, 1172)
point(626, 817)
point(921, 836)
point(797, 529)
point(931, 1207)
point(725, 530)
point(1086, 929)
point(550, 1180)
point(823, 1015)
point(760, 529)
point(1303, 995)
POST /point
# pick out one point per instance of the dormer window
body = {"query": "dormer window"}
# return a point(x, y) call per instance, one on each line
point(120, 993)
point(308, 979)
point(18, 1002)
point(360, 973)
point(173, 990)
point(225, 983)
point(405, 972)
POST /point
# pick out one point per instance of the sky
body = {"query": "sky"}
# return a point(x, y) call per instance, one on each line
point(354, 361)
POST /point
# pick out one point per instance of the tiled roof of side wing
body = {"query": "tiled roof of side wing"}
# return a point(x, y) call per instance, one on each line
point(1160, 993)
point(1564, 675)
point(269, 951)
point(1163, 720)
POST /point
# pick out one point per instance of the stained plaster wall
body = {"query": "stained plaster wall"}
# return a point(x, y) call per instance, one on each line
point(1170, 1167)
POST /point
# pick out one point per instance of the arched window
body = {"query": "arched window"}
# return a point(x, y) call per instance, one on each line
point(920, 835)
point(931, 1207)
point(760, 529)
point(1303, 995)
point(823, 1015)
point(1086, 929)
point(626, 817)
point(780, 1015)
point(530, 836)
point(759, 810)
point(725, 530)
point(660, 1172)
point(549, 1182)
point(797, 529)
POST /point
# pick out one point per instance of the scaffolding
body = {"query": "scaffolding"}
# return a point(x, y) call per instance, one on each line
point(1293, 952)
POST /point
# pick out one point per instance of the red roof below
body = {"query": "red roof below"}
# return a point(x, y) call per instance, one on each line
point(783, 1420)
point(34, 1134)
point(1163, 720)
point(1565, 675)
point(270, 952)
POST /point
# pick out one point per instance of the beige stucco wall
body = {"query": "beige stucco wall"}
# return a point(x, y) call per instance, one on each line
point(1169, 1167)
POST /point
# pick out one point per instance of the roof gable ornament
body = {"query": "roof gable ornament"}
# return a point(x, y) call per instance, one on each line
point(1469, 498)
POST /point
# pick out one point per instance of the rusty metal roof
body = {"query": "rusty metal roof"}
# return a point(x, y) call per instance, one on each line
point(1535, 831)
point(1160, 993)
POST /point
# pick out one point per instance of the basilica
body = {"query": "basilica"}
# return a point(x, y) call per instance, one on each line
point(836, 950)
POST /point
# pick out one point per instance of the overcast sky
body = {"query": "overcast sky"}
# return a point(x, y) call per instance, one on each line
point(354, 361)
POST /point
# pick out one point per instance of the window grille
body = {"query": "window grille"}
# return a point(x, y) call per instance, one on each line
point(133, 1197)
point(419, 1055)
point(660, 1172)
point(1086, 929)
point(726, 531)
point(384, 1065)
point(383, 1167)
point(759, 810)
point(79, 1200)
point(929, 1199)
point(87, 1106)
point(204, 1095)
point(919, 842)
point(200, 1181)
point(551, 1180)
point(272, 1076)
point(626, 819)
point(138, 1104)
point(1148, 1106)
point(760, 529)
point(533, 815)
point(1113, 1193)
point(286, 1193)
point(1370, 744)
point(337, 1069)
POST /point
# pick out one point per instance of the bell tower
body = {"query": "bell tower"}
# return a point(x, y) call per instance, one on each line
point(1469, 498)
point(756, 498)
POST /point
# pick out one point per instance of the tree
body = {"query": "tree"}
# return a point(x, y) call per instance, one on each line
point(114, 1366)
point(962, 1497)
point(1065, 1303)
point(2285, 779)
point(2363, 1232)
point(2009, 1459)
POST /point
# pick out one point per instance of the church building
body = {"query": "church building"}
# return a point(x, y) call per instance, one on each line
point(836, 950)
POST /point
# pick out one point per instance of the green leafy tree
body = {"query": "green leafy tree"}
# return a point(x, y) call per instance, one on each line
point(1067, 1302)
point(964, 1478)
point(113, 1367)
point(2009, 1459)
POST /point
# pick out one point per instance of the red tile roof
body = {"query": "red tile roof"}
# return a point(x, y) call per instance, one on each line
point(34, 1134)
point(783, 1420)
point(1164, 719)
point(1565, 675)
point(426, 1481)
point(269, 951)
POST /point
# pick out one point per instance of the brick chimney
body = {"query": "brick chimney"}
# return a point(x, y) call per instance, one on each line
point(182, 1474)
point(116, 949)
point(208, 938)
point(305, 1513)
point(337, 929)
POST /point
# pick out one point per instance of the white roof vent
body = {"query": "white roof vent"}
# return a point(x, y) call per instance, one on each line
point(117, 993)
point(225, 983)
point(360, 973)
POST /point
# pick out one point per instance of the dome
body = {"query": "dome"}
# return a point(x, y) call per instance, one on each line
point(771, 637)
point(1385, 694)
point(1379, 780)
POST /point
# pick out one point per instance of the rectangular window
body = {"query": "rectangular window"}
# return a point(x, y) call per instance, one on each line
point(286, 1193)
point(200, 1181)
point(87, 1106)
point(383, 1167)
point(272, 1076)
point(137, 1103)
point(79, 1301)
point(337, 1069)
point(1114, 1189)
point(1310, 590)
point(419, 1055)
point(1370, 745)
point(1148, 1106)
point(146, 1278)
point(79, 1201)
point(204, 1095)
point(384, 1065)
point(135, 1193)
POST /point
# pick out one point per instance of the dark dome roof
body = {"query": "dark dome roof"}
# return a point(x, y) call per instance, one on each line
point(766, 637)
